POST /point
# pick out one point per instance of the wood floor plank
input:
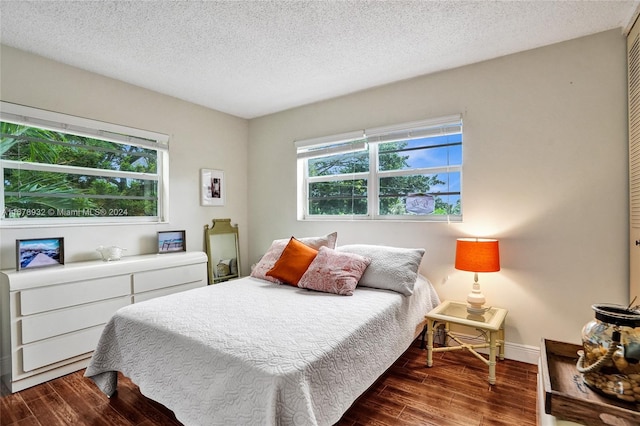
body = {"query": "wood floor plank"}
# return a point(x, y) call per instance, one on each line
point(419, 396)
point(91, 410)
point(129, 400)
point(491, 408)
point(432, 405)
point(454, 392)
point(130, 412)
point(29, 421)
point(36, 392)
point(52, 410)
point(361, 415)
point(378, 403)
point(436, 416)
point(86, 388)
point(14, 409)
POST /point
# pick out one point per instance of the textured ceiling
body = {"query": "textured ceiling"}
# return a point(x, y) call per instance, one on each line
point(251, 58)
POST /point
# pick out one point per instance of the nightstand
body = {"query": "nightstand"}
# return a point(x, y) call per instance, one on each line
point(490, 323)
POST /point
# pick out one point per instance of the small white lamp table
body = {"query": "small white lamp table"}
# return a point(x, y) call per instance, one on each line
point(490, 323)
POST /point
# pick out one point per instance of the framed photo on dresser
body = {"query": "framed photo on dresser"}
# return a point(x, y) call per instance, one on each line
point(39, 253)
point(171, 241)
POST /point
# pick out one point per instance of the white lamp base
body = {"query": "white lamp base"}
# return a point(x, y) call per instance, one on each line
point(475, 300)
point(472, 310)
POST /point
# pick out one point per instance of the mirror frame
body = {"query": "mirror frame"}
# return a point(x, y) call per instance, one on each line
point(221, 227)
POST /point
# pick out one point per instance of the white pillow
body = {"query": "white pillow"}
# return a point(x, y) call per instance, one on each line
point(391, 268)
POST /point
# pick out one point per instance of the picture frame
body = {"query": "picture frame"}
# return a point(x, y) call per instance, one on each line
point(172, 241)
point(212, 187)
point(39, 253)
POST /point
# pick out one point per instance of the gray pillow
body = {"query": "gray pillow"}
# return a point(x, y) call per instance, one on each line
point(391, 268)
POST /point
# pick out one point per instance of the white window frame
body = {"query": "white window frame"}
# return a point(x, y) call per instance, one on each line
point(28, 116)
point(368, 139)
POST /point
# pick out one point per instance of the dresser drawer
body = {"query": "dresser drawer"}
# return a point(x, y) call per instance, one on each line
point(55, 323)
point(61, 296)
point(59, 348)
point(141, 297)
point(154, 280)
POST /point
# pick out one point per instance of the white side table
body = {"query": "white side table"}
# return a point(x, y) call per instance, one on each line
point(491, 323)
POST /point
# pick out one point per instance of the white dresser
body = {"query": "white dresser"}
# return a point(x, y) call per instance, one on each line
point(51, 318)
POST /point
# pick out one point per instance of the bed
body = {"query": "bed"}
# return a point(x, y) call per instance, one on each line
point(252, 352)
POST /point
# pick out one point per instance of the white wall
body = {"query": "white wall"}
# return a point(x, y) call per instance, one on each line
point(545, 172)
point(199, 138)
point(545, 152)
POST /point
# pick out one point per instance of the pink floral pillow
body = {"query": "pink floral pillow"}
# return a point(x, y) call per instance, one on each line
point(277, 247)
point(334, 272)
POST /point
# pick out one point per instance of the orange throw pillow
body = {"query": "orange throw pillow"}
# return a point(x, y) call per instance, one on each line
point(293, 262)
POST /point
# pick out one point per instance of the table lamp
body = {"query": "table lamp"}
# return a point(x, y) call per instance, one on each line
point(477, 255)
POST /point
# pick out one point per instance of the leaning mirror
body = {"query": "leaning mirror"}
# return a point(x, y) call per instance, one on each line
point(221, 240)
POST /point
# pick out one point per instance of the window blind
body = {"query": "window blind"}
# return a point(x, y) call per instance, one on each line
point(20, 114)
point(357, 140)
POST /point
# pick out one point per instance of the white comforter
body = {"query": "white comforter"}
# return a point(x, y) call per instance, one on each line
point(249, 352)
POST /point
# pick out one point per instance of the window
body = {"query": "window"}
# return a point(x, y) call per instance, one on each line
point(63, 169)
point(408, 171)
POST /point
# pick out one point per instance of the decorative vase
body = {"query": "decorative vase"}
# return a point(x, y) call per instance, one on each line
point(610, 359)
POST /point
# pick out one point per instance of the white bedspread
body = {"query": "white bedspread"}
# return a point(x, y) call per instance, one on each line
point(249, 352)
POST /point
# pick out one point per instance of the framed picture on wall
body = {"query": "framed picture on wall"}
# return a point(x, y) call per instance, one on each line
point(212, 190)
point(171, 241)
point(39, 253)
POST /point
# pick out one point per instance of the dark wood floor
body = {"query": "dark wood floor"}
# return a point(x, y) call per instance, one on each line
point(453, 392)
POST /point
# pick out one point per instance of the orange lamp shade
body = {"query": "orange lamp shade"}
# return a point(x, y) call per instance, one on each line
point(477, 255)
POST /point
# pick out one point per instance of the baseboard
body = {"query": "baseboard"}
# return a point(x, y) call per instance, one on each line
point(522, 353)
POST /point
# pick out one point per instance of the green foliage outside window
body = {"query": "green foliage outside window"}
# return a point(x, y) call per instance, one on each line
point(348, 196)
point(54, 174)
